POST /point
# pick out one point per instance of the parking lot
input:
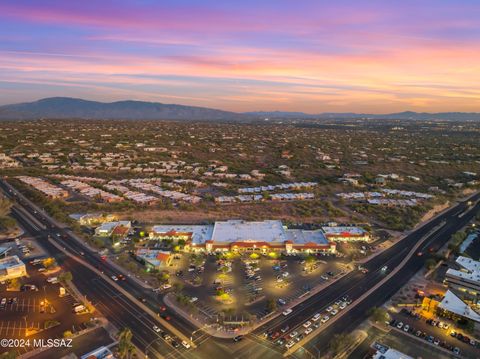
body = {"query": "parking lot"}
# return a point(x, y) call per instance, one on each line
point(38, 303)
point(438, 333)
point(244, 283)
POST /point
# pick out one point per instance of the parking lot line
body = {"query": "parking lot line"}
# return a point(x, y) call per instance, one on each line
point(13, 328)
point(6, 330)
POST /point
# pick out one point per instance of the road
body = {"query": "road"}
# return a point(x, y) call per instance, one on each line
point(122, 311)
point(356, 283)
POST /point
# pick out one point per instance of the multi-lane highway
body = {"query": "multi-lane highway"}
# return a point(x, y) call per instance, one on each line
point(435, 233)
point(124, 311)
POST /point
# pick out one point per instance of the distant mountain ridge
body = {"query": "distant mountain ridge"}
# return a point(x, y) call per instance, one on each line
point(67, 108)
point(71, 108)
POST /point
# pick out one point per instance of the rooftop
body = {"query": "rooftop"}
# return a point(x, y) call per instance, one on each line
point(343, 230)
point(200, 233)
point(239, 230)
point(454, 304)
point(390, 354)
point(9, 262)
point(300, 236)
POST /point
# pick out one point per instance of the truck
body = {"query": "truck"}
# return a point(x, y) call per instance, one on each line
point(79, 308)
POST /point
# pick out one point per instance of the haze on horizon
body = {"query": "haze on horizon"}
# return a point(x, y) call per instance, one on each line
point(310, 56)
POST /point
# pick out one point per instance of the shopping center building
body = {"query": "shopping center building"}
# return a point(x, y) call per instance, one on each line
point(248, 236)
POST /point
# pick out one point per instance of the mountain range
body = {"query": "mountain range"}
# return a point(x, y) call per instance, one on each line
point(72, 108)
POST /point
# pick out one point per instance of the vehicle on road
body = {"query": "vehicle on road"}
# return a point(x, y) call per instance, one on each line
point(237, 338)
point(156, 329)
point(287, 312)
point(185, 344)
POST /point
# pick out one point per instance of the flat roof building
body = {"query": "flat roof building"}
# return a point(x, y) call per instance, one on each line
point(240, 235)
point(154, 258)
point(12, 267)
point(453, 306)
point(346, 233)
point(467, 278)
point(107, 228)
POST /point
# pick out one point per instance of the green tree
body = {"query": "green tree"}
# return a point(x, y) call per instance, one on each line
point(339, 343)
point(9, 355)
point(378, 314)
point(5, 206)
point(125, 346)
point(271, 305)
point(430, 263)
point(65, 277)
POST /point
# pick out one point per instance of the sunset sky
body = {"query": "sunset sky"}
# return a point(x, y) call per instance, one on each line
point(291, 55)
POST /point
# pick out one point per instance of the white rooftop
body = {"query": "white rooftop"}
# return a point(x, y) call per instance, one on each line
point(390, 354)
point(468, 263)
point(200, 233)
point(110, 226)
point(454, 304)
point(239, 230)
point(300, 236)
point(9, 262)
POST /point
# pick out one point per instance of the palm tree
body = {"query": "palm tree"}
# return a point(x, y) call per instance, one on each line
point(125, 346)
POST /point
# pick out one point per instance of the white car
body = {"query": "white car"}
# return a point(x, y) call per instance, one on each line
point(316, 317)
point(342, 305)
point(325, 319)
point(308, 331)
point(334, 312)
point(329, 309)
point(406, 328)
point(193, 299)
point(307, 324)
point(400, 325)
point(290, 344)
point(185, 344)
point(114, 277)
point(166, 286)
point(287, 312)
point(156, 329)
